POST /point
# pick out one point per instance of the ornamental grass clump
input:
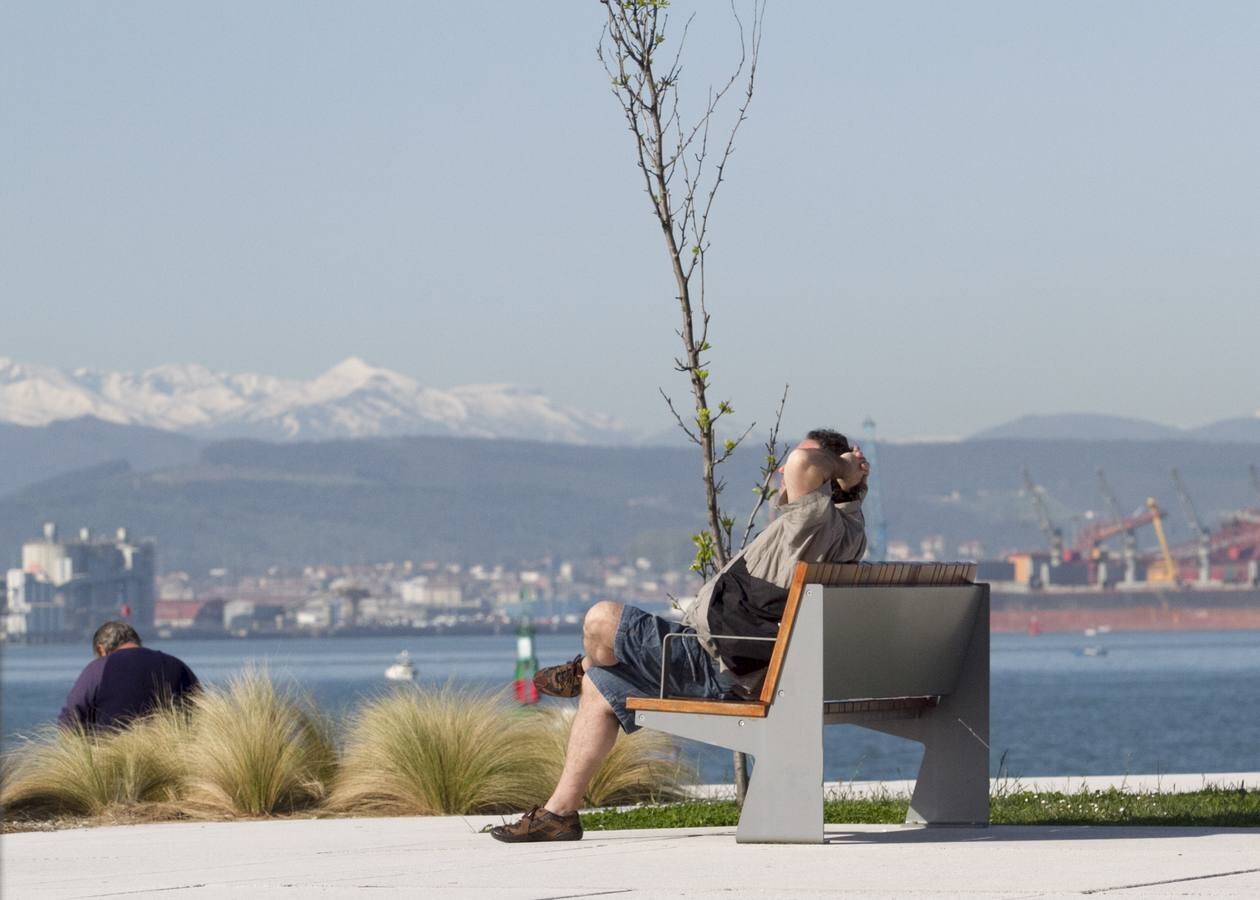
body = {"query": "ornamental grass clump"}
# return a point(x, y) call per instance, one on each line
point(644, 767)
point(133, 773)
point(443, 751)
point(256, 750)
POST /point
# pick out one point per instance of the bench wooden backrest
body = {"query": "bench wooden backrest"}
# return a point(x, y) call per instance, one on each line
point(931, 607)
point(895, 641)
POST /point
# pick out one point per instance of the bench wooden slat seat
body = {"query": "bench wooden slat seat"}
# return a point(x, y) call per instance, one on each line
point(753, 708)
point(909, 705)
point(757, 710)
point(898, 648)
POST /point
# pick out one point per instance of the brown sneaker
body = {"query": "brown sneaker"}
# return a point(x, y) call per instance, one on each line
point(564, 680)
point(540, 825)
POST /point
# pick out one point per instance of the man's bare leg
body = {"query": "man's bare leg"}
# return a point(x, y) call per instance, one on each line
point(594, 732)
point(599, 628)
point(595, 726)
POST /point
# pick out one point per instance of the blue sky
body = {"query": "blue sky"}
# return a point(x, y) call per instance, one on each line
point(944, 215)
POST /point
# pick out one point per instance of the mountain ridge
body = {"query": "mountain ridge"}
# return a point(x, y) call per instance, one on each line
point(353, 399)
point(248, 504)
point(1104, 427)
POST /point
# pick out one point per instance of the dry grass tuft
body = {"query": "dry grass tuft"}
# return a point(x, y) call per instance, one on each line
point(256, 751)
point(442, 752)
point(644, 767)
point(249, 749)
point(70, 771)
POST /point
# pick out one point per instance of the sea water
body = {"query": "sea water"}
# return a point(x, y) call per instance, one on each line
point(1062, 704)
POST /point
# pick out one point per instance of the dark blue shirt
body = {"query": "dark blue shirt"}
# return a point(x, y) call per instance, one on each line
point(114, 689)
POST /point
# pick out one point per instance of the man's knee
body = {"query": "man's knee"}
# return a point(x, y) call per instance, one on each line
point(601, 621)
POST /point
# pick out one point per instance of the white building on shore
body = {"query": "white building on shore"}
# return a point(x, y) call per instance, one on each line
point(68, 588)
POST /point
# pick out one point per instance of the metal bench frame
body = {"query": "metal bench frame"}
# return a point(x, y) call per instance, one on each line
point(909, 661)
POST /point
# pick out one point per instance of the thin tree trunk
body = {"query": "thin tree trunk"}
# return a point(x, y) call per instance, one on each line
point(650, 103)
point(741, 777)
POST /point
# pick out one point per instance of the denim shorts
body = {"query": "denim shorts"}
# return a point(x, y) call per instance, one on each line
point(690, 672)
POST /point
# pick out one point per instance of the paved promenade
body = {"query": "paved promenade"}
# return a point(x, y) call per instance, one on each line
point(447, 857)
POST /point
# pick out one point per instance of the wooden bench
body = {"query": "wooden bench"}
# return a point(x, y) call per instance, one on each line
point(898, 648)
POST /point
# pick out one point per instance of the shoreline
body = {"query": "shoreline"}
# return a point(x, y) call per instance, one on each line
point(1032, 620)
point(1029, 620)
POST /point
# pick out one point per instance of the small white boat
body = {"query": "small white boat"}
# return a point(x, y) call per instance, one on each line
point(1093, 650)
point(403, 668)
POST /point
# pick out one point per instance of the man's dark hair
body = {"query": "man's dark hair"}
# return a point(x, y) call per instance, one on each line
point(112, 635)
point(838, 444)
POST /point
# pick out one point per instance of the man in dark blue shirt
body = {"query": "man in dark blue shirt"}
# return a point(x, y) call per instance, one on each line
point(124, 681)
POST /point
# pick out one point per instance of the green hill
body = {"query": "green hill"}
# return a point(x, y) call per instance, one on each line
point(248, 505)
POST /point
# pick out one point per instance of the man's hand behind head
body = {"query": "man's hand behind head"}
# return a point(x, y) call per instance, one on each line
point(852, 469)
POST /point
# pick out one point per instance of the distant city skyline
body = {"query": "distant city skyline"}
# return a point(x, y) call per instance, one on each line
point(943, 217)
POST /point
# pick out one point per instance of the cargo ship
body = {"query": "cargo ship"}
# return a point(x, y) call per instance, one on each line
point(1211, 582)
point(1140, 608)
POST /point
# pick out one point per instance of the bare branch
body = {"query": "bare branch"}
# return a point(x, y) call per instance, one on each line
point(679, 419)
point(728, 449)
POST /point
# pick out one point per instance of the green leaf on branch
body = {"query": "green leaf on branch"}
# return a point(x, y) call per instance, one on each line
point(705, 554)
point(725, 407)
point(728, 445)
point(704, 419)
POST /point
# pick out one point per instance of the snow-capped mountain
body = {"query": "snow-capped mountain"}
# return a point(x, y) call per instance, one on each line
point(352, 399)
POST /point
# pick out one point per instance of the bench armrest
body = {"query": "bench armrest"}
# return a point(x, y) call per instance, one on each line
point(694, 636)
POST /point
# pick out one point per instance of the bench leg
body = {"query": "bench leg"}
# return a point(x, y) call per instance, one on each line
point(953, 783)
point(784, 803)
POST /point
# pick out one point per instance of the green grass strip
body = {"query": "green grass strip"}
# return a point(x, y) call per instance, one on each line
point(1218, 807)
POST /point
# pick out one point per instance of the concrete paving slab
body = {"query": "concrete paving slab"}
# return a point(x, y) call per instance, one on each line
point(447, 857)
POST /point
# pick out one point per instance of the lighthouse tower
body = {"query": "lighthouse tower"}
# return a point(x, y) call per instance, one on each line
point(526, 664)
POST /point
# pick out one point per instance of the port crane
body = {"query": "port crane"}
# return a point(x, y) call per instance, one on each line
point(878, 547)
point(1196, 525)
point(1053, 533)
point(1157, 520)
point(1127, 527)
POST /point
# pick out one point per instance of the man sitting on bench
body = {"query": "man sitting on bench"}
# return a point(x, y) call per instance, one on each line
point(819, 520)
